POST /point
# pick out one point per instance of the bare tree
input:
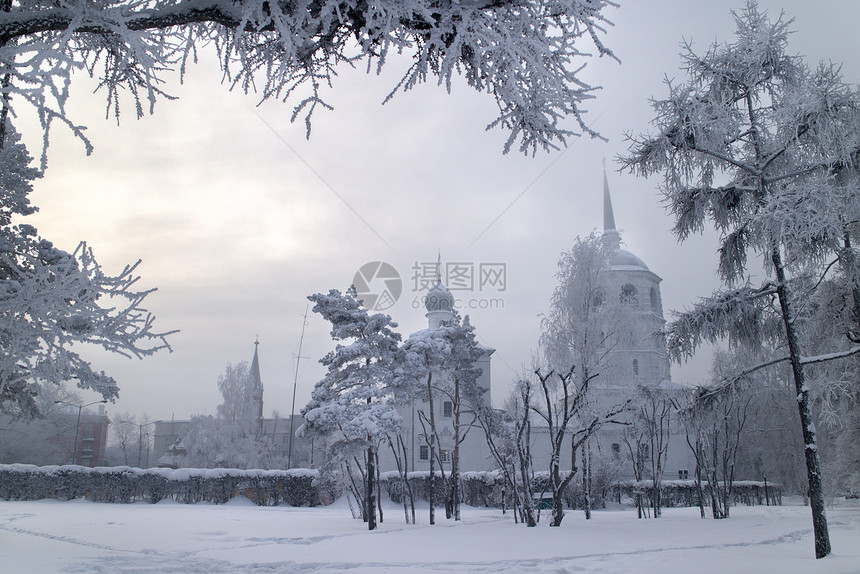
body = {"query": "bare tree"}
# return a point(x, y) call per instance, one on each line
point(562, 404)
point(655, 413)
point(715, 418)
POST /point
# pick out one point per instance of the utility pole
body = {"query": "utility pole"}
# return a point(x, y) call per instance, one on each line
point(295, 384)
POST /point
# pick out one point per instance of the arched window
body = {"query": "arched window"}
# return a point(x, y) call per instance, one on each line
point(635, 366)
point(655, 300)
point(629, 294)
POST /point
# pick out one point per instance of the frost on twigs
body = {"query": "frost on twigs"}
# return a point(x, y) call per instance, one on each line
point(527, 54)
point(765, 149)
point(51, 300)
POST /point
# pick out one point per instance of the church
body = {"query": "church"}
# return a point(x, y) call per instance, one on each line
point(639, 360)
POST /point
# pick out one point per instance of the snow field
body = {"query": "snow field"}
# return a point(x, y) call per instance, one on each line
point(80, 536)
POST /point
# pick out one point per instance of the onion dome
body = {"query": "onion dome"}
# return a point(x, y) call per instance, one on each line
point(439, 298)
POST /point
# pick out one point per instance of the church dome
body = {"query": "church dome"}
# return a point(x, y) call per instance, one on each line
point(439, 298)
point(622, 259)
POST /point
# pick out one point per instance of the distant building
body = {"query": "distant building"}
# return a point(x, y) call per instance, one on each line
point(91, 430)
point(639, 360)
point(168, 449)
point(284, 446)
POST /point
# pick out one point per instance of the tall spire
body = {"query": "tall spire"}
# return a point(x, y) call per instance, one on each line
point(610, 234)
point(257, 385)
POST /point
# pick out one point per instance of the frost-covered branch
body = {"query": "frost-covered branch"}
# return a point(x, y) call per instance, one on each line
point(737, 314)
point(52, 300)
point(792, 188)
point(526, 54)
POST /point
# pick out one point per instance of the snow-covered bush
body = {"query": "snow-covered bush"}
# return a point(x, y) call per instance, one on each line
point(682, 493)
point(123, 484)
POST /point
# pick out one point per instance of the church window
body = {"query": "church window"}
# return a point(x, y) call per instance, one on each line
point(598, 297)
point(629, 294)
point(424, 452)
point(445, 455)
point(616, 450)
point(655, 300)
point(635, 366)
point(447, 409)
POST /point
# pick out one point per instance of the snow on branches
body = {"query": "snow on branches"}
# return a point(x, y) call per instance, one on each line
point(51, 300)
point(354, 397)
point(526, 53)
point(766, 150)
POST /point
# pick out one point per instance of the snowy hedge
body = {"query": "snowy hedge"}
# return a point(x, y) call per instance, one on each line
point(296, 487)
point(482, 489)
point(487, 489)
point(676, 493)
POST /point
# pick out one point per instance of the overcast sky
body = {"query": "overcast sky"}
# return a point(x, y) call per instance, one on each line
point(238, 218)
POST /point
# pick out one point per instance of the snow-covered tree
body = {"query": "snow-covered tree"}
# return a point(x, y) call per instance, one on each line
point(577, 338)
point(233, 438)
point(832, 322)
point(527, 55)
point(355, 403)
point(441, 363)
point(242, 394)
point(423, 353)
point(758, 143)
point(637, 442)
point(51, 299)
point(561, 400)
point(647, 440)
point(125, 434)
point(581, 327)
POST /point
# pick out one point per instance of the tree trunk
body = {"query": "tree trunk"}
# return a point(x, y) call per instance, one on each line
point(455, 456)
point(432, 445)
point(557, 502)
point(586, 481)
point(813, 465)
point(370, 493)
point(378, 488)
point(699, 492)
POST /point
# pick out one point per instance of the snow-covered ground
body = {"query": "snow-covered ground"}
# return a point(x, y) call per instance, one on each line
point(81, 536)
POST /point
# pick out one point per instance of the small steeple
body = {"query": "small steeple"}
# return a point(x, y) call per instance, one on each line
point(610, 234)
point(439, 301)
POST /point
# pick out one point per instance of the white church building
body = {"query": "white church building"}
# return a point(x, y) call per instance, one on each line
point(639, 360)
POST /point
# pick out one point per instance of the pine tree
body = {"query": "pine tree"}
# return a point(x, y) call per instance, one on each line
point(357, 398)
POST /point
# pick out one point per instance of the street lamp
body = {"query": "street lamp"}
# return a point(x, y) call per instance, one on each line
point(78, 424)
point(139, 439)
